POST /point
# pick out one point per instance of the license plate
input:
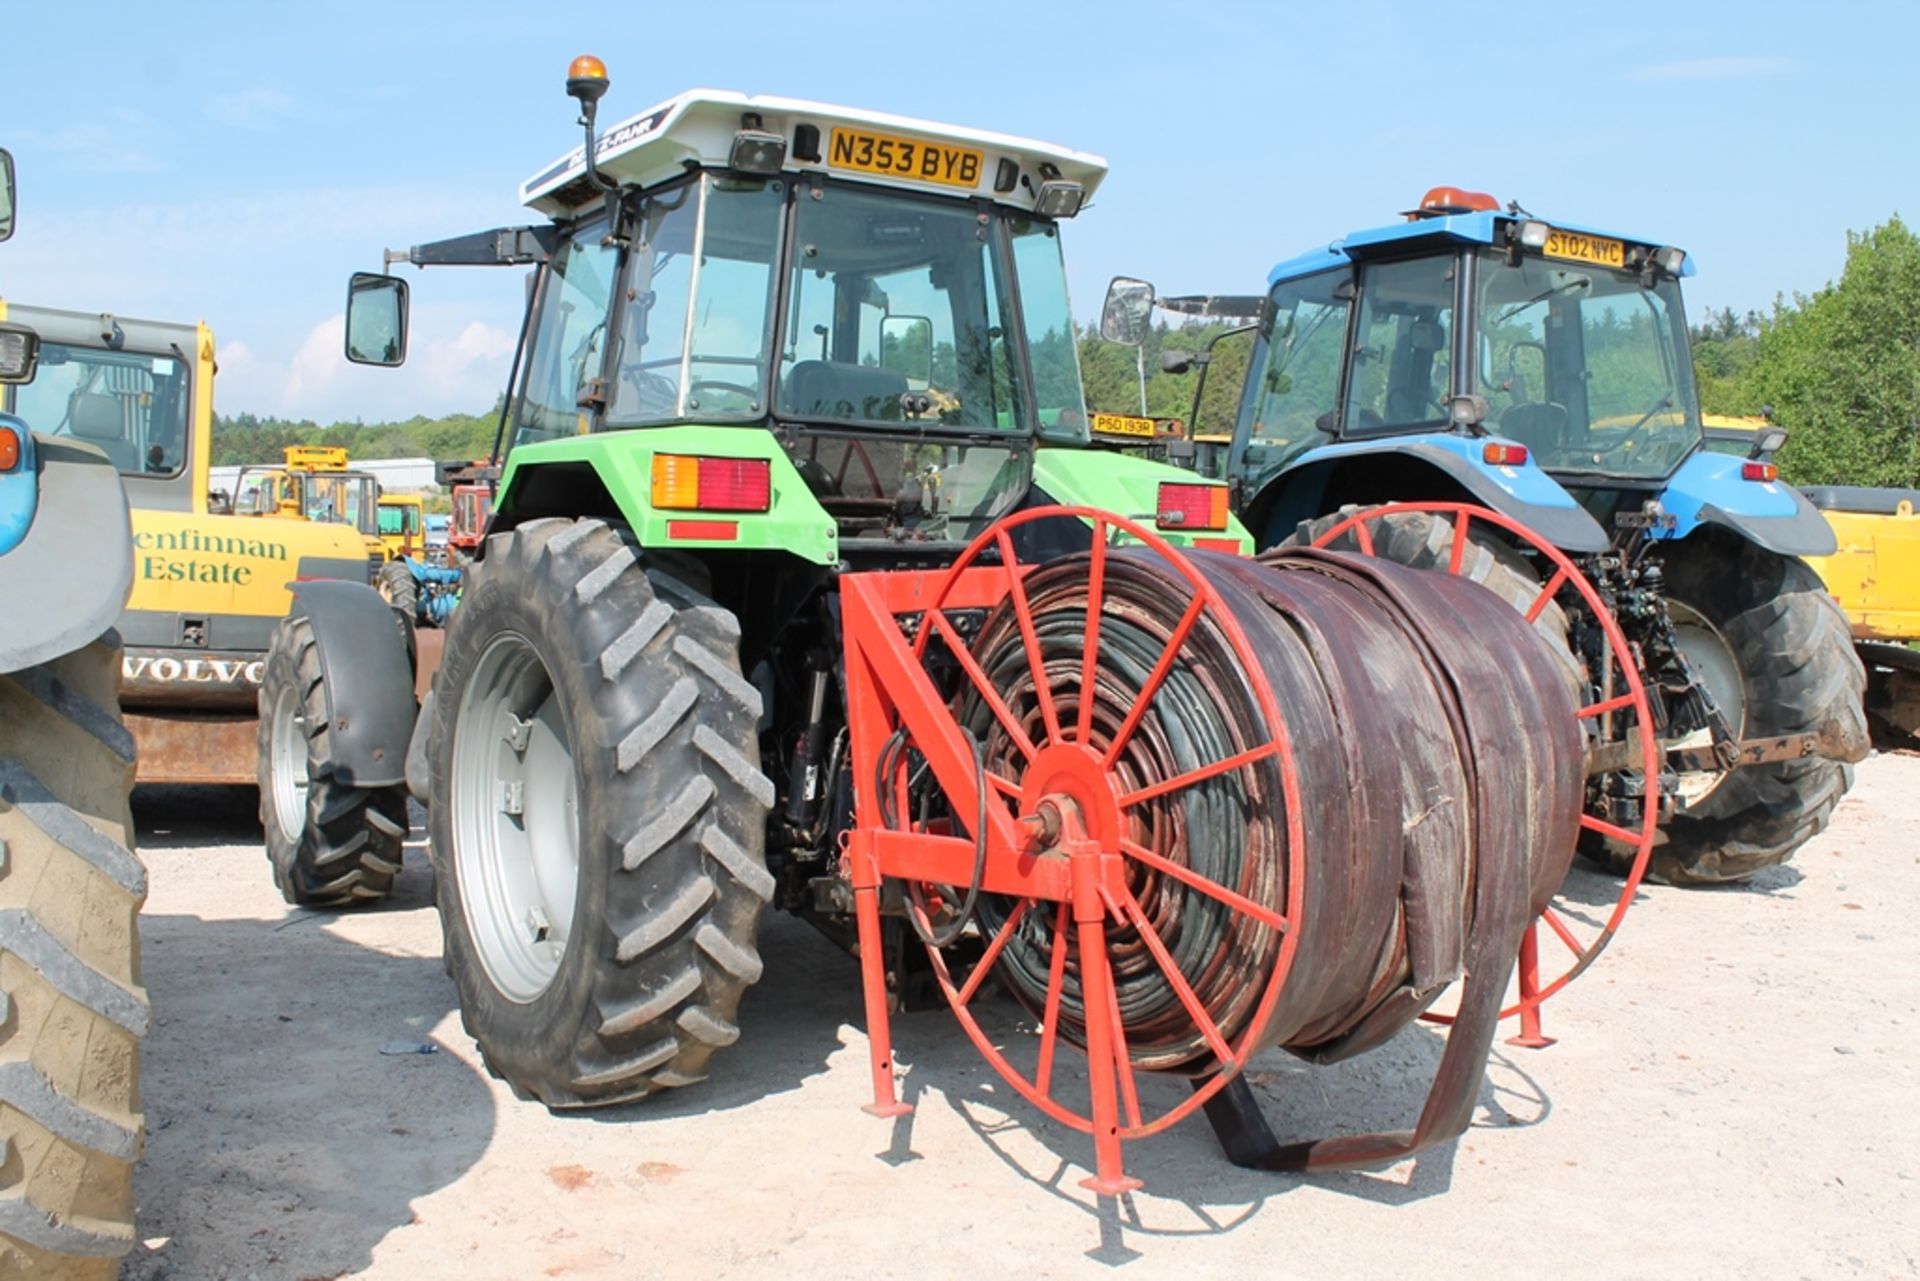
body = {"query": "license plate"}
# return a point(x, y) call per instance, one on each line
point(1123, 425)
point(1575, 247)
point(893, 156)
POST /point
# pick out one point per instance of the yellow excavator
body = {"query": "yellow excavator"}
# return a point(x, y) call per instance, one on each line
point(208, 588)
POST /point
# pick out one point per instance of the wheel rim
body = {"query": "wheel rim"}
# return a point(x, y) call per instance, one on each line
point(289, 764)
point(515, 809)
point(1712, 659)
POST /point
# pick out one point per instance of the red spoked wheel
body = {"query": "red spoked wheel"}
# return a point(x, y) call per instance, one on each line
point(1580, 939)
point(1146, 950)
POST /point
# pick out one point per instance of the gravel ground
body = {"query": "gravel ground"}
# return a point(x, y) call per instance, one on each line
point(1733, 1094)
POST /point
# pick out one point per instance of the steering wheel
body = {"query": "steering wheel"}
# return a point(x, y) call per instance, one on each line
point(749, 394)
point(1632, 434)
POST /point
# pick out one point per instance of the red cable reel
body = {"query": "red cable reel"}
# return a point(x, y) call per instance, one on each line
point(1580, 940)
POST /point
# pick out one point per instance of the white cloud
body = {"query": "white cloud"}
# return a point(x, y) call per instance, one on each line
point(1714, 69)
point(451, 367)
point(257, 108)
point(123, 142)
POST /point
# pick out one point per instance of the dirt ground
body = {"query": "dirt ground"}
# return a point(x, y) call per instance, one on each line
point(1733, 1093)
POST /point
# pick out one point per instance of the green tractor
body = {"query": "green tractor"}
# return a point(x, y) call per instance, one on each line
point(769, 343)
point(72, 1010)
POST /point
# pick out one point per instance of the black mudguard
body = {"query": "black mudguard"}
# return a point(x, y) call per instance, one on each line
point(366, 655)
point(1805, 533)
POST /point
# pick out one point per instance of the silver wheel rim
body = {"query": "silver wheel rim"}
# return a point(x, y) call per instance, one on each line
point(1713, 661)
point(288, 767)
point(515, 811)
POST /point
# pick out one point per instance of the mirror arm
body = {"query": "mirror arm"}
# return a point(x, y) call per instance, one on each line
point(501, 247)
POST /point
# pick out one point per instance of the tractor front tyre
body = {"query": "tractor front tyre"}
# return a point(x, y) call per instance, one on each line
point(1762, 633)
point(72, 1010)
point(398, 587)
point(599, 817)
point(331, 844)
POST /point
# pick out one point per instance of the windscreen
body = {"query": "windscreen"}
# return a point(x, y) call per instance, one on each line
point(132, 407)
point(1587, 366)
point(896, 313)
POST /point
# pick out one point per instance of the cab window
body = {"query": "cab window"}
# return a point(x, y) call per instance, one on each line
point(1290, 406)
point(131, 407)
point(1402, 351)
point(568, 338)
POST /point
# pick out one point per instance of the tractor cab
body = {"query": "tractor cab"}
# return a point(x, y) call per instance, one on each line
point(315, 483)
point(1476, 321)
point(883, 299)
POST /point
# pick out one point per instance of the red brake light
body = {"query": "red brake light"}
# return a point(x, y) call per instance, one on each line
point(1759, 471)
point(9, 448)
point(1498, 455)
point(1182, 506)
point(689, 483)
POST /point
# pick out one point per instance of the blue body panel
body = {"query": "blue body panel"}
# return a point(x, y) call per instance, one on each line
point(1527, 483)
point(1713, 480)
point(1482, 228)
point(19, 490)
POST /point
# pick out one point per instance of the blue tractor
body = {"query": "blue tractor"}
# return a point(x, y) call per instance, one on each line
point(1471, 353)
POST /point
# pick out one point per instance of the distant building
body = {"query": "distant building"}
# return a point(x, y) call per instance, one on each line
point(396, 475)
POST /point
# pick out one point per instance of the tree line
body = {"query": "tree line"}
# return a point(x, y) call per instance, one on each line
point(1839, 368)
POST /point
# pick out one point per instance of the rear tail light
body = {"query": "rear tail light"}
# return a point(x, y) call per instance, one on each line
point(686, 482)
point(1503, 455)
point(1182, 506)
point(1759, 471)
point(9, 448)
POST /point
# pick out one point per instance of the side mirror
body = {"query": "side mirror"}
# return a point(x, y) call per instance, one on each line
point(906, 347)
point(19, 353)
point(1175, 361)
point(376, 319)
point(1129, 306)
point(7, 196)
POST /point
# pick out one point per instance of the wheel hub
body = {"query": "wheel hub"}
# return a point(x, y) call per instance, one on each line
point(515, 808)
point(288, 765)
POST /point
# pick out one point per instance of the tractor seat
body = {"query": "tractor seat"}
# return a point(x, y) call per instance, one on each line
point(834, 389)
point(99, 419)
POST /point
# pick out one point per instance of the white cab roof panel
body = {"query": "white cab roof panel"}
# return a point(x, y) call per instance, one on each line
point(697, 128)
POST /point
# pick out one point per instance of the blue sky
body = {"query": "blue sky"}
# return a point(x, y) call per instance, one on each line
point(234, 162)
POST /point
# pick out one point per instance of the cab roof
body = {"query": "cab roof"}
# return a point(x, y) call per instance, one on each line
point(1479, 227)
point(697, 128)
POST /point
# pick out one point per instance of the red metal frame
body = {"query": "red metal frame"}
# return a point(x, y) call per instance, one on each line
point(1582, 951)
point(1057, 838)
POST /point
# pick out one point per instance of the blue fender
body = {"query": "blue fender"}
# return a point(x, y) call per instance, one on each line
point(1524, 492)
point(1708, 489)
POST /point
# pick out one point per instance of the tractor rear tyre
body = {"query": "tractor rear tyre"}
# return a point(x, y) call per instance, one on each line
point(72, 1010)
point(1761, 627)
point(1422, 540)
point(599, 817)
point(331, 844)
point(398, 587)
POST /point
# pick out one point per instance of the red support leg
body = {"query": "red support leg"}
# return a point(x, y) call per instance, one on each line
point(1531, 1037)
point(1089, 914)
point(873, 978)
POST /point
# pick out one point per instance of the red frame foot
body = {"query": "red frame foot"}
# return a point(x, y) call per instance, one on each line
point(884, 1110)
point(1111, 1187)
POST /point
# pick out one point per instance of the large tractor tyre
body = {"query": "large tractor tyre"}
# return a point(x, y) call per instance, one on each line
point(331, 844)
point(1421, 540)
point(398, 587)
point(599, 817)
point(1772, 646)
point(72, 1010)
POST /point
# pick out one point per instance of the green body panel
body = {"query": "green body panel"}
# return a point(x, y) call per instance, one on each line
point(623, 460)
point(1126, 486)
